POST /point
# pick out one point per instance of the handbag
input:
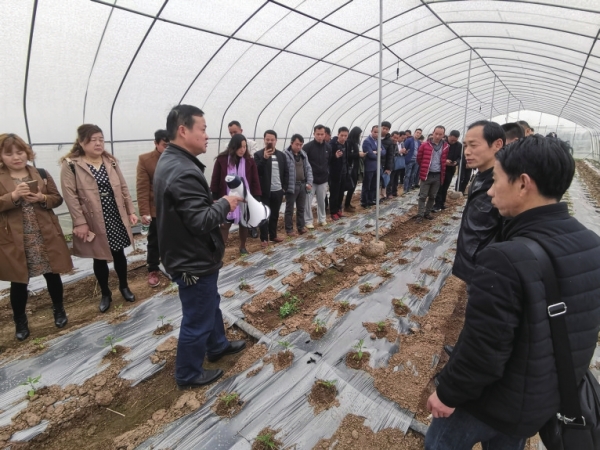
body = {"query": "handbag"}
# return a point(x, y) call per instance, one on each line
point(577, 424)
point(399, 162)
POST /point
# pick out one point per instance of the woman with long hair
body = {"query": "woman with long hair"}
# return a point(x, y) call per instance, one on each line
point(235, 160)
point(353, 159)
point(101, 208)
point(31, 240)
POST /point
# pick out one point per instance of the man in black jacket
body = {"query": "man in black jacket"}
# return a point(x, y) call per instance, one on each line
point(480, 221)
point(318, 152)
point(500, 385)
point(191, 246)
point(273, 174)
point(387, 164)
point(338, 170)
point(454, 154)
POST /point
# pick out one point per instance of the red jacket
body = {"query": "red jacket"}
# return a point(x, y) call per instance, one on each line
point(218, 187)
point(424, 160)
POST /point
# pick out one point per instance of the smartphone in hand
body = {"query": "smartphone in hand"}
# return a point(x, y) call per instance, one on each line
point(33, 186)
point(90, 236)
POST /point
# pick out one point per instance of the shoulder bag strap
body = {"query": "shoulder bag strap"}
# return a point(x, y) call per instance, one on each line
point(43, 174)
point(557, 309)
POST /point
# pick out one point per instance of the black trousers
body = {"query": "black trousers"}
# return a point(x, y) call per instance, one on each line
point(350, 193)
point(101, 271)
point(336, 192)
point(440, 198)
point(19, 294)
point(273, 201)
point(153, 255)
point(397, 176)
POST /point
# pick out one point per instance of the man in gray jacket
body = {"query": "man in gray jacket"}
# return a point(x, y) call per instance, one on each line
point(300, 181)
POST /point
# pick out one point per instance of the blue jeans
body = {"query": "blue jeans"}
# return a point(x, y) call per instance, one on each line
point(367, 196)
point(411, 169)
point(202, 327)
point(461, 431)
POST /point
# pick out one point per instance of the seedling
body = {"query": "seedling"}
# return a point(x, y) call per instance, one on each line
point(386, 272)
point(398, 302)
point(228, 399)
point(267, 440)
point(345, 304)
point(319, 324)
point(359, 349)
point(367, 285)
point(243, 284)
point(290, 306)
point(118, 308)
point(162, 320)
point(287, 294)
point(328, 383)
point(286, 345)
point(39, 342)
point(31, 382)
point(112, 341)
point(300, 250)
point(380, 326)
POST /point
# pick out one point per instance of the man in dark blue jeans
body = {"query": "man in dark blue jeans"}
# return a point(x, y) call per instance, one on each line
point(191, 246)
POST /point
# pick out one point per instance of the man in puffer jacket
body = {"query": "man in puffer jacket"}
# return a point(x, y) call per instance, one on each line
point(500, 385)
point(432, 170)
point(300, 181)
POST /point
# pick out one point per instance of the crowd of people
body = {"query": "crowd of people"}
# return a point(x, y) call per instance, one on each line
point(500, 383)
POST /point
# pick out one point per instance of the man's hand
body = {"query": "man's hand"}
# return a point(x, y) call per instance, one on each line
point(437, 408)
point(233, 201)
point(339, 154)
point(268, 153)
point(309, 187)
point(387, 172)
point(146, 220)
point(361, 154)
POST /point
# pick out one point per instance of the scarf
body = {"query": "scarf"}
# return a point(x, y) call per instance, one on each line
point(240, 171)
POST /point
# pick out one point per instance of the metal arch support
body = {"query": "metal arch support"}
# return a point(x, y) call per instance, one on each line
point(112, 108)
point(465, 121)
point(379, 121)
point(493, 94)
point(87, 86)
point(32, 28)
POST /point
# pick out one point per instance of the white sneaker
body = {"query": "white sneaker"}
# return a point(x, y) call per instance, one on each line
point(310, 226)
point(324, 224)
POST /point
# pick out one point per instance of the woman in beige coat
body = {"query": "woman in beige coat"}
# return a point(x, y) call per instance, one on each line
point(31, 240)
point(101, 208)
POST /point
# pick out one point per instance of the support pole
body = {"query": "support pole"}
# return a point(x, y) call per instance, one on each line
point(464, 130)
point(379, 119)
point(519, 112)
point(493, 95)
point(507, 108)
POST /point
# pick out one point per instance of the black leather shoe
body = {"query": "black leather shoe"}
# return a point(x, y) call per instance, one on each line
point(234, 347)
point(448, 349)
point(21, 328)
point(105, 303)
point(207, 377)
point(127, 295)
point(60, 317)
point(428, 216)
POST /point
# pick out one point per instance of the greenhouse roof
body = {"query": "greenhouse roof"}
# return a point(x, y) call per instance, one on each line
point(290, 64)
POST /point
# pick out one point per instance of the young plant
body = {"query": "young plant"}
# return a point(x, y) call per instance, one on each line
point(380, 326)
point(31, 382)
point(118, 309)
point(398, 302)
point(228, 399)
point(39, 342)
point(243, 284)
point(345, 304)
point(162, 320)
point(367, 285)
point(319, 324)
point(289, 307)
point(112, 341)
point(267, 440)
point(286, 345)
point(328, 383)
point(359, 349)
point(386, 271)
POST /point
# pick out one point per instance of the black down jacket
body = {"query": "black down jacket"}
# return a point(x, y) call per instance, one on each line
point(480, 224)
point(318, 157)
point(189, 239)
point(502, 369)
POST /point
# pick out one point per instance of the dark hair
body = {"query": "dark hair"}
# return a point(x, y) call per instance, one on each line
point(298, 137)
point(354, 135)
point(234, 122)
point(524, 124)
point(387, 124)
point(319, 127)
point(513, 131)
point(440, 126)
point(422, 137)
point(270, 132)
point(341, 129)
point(394, 133)
point(374, 126)
point(408, 131)
point(328, 131)
point(419, 129)
point(235, 143)
point(455, 133)
point(401, 133)
point(491, 131)
point(84, 135)
point(161, 135)
point(181, 115)
point(552, 134)
point(547, 161)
